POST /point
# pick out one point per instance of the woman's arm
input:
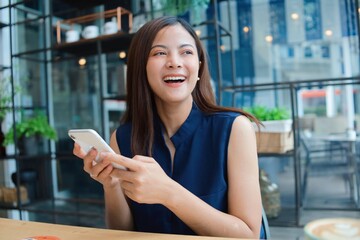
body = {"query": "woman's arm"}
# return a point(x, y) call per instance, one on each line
point(147, 183)
point(117, 210)
point(243, 175)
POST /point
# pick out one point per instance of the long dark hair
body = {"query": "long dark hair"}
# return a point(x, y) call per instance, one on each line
point(140, 100)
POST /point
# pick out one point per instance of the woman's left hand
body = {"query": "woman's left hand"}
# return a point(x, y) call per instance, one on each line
point(144, 181)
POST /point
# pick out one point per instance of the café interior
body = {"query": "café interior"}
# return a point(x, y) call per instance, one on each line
point(294, 64)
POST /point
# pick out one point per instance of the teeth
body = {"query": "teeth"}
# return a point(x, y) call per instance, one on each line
point(174, 78)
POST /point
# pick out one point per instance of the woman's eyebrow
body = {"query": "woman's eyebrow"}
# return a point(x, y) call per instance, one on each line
point(186, 45)
point(181, 46)
point(159, 45)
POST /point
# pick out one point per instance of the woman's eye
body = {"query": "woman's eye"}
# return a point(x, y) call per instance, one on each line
point(188, 52)
point(159, 53)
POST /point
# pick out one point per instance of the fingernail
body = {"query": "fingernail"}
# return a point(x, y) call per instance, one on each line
point(103, 154)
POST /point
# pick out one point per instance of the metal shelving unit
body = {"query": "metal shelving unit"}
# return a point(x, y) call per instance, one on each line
point(38, 57)
point(40, 160)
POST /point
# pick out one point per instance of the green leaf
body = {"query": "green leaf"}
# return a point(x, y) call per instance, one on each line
point(263, 113)
point(36, 125)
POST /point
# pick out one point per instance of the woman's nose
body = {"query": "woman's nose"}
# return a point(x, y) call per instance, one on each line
point(174, 62)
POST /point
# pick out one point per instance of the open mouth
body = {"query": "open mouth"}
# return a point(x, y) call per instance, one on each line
point(174, 79)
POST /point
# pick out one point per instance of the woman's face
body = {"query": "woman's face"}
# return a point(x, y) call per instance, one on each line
point(173, 65)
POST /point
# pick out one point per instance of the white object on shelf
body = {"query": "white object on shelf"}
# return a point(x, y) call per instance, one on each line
point(276, 126)
point(110, 27)
point(72, 36)
point(90, 31)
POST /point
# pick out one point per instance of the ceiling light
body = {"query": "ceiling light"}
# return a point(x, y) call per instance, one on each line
point(295, 16)
point(82, 61)
point(122, 54)
point(328, 32)
point(268, 38)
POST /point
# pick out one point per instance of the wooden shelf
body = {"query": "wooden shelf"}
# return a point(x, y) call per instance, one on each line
point(119, 41)
point(108, 43)
point(67, 24)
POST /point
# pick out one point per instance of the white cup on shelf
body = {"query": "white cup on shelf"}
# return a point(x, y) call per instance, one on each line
point(110, 28)
point(72, 36)
point(90, 31)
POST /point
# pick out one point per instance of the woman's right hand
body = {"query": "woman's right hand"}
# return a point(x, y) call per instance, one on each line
point(99, 171)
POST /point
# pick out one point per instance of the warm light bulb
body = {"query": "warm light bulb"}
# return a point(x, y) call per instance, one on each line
point(268, 38)
point(294, 16)
point(222, 48)
point(122, 54)
point(82, 61)
point(246, 29)
point(198, 32)
point(328, 32)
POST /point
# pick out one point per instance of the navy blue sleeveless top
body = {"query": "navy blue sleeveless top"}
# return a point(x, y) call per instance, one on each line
point(200, 165)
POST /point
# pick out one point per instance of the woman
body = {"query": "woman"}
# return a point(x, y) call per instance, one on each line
point(191, 165)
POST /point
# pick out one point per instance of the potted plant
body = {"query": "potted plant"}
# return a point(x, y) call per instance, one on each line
point(275, 135)
point(30, 131)
point(273, 119)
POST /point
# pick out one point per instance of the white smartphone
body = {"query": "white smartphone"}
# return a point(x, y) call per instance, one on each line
point(89, 138)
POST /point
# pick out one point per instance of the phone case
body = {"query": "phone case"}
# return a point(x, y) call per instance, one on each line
point(89, 138)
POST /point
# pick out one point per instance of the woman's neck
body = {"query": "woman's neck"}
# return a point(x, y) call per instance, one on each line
point(173, 115)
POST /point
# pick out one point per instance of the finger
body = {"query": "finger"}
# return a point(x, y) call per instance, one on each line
point(106, 171)
point(100, 169)
point(129, 194)
point(126, 185)
point(143, 159)
point(89, 159)
point(124, 175)
point(78, 151)
point(122, 160)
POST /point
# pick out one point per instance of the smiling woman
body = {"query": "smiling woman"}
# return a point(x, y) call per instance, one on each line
point(185, 164)
point(173, 60)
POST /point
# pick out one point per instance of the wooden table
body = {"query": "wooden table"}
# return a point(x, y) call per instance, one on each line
point(11, 229)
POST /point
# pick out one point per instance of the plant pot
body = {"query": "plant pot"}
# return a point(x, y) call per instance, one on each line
point(27, 178)
point(275, 137)
point(277, 126)
point(29, 146)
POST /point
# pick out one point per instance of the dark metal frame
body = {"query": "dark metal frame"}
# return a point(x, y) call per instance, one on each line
point(293, 87)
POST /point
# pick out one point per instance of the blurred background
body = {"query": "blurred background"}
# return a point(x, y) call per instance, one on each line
point(63, 66)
